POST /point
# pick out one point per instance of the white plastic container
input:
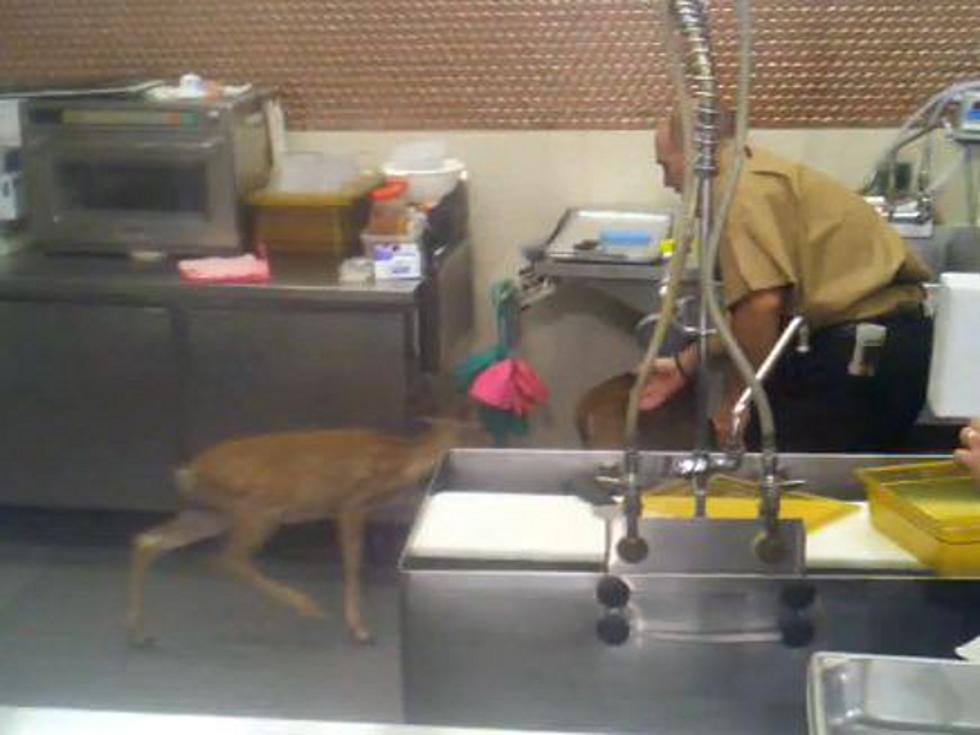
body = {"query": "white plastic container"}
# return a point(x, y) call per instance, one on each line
point(397, 261)
point(397, 256)
point(357, 270)
point(954, 391)
point(428, 186)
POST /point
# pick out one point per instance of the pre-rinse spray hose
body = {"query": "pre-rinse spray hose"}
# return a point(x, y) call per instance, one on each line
point(691, 13)
point(742, 364)
point(767, 427)
point(685, 230)
point(935, 105)
point(631, 546)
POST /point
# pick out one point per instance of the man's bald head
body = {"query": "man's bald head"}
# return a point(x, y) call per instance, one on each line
point(670, 144)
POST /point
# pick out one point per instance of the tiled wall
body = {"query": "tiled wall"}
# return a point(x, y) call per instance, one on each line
point(512, 64)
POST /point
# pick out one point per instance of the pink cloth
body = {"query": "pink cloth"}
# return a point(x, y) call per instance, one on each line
point(510, 385)
point(241, 269)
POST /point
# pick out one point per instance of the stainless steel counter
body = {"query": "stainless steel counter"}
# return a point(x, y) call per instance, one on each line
point(295, 279)
point(949, 249)
point(632, 284)
point(44, 721)
point(515, 641)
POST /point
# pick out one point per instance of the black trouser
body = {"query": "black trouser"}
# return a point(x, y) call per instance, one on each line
point(820, 407)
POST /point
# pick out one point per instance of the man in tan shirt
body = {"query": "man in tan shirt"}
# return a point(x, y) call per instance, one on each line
point(798, 242)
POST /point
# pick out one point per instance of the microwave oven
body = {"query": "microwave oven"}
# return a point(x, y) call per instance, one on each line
point(116, 175)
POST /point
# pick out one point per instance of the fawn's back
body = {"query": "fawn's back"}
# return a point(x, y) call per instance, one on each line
point(309, 473)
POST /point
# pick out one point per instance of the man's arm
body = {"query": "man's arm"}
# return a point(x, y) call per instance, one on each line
point(756, 321)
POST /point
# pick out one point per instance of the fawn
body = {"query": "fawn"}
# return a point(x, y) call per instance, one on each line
point(250, 487)
point(600, 418)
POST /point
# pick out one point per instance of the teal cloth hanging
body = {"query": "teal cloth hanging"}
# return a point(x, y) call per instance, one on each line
point(501, 424)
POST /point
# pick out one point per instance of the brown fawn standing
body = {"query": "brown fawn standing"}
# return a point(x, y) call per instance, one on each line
point(600, 418)
point(250, 487)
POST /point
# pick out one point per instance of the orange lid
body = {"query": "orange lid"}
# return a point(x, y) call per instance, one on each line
point(390, 191)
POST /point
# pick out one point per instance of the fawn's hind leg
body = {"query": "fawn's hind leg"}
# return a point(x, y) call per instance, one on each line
point(186, 528)
point(351, 523)
point(249, 532)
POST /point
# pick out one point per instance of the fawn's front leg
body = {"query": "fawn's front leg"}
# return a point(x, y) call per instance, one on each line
point(351, 523)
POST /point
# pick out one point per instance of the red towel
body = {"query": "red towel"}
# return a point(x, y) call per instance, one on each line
point(509, 385)
point(242, 269)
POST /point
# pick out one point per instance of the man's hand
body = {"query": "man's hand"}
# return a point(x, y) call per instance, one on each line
point(969, 455)
point(665, 382)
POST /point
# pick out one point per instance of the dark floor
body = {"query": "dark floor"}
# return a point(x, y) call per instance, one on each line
point(220, 648)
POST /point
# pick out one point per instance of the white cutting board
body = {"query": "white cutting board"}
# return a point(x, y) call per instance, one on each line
point(509, 527)
point(852, 543)
point(563, 528)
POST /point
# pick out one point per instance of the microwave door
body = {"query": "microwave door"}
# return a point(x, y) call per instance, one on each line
point(146, 195)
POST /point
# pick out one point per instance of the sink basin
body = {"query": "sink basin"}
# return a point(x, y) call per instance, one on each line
point(849, 693)
point(950, 249)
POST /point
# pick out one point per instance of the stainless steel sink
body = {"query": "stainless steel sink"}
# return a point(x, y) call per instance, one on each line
point(871, 695)
point(955, 249)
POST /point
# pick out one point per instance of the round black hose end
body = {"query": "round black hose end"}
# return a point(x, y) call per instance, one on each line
point(632, 549)
point(769, 548)
point(797, 630)
point(612, 592)
point(798, 595)
point(613, 629)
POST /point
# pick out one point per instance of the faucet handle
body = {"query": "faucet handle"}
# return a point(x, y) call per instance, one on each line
point(791, 484)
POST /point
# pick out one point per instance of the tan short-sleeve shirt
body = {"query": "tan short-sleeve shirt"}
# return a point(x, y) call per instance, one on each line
point(792, 226)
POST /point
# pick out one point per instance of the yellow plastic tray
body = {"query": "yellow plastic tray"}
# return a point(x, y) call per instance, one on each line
point(735, 499)
point(932, 510)
point(326, 224)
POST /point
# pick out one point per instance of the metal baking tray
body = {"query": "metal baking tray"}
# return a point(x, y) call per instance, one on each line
point(579, 225)
point(874, 695)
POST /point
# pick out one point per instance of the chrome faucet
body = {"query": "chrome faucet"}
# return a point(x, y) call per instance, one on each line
point(741, 410)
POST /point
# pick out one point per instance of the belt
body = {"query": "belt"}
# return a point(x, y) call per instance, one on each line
point(846, 330)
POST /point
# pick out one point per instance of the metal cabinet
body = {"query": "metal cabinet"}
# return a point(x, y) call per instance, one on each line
point(88, 403)
point(252, 371)
point(101, 402)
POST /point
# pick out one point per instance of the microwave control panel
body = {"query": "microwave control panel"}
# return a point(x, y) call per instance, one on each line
point(135, 119)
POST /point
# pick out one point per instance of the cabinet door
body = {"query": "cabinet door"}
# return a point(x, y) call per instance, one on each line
point(88, 400)
point(263, 371)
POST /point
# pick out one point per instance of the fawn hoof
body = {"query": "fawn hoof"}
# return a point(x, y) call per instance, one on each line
point(362, 636)
point(136, 637)
point(141, 641)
